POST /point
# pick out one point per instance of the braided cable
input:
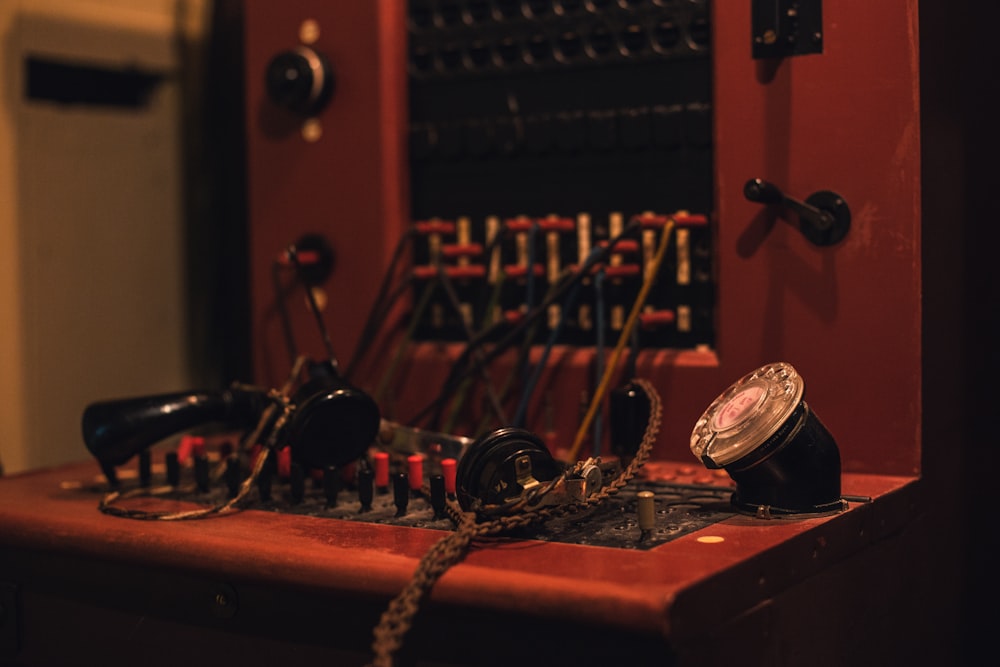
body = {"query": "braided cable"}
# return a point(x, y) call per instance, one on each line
point(450, 550)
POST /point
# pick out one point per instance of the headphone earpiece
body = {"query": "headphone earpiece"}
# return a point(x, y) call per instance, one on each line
point(334, 423)
point(498, 466)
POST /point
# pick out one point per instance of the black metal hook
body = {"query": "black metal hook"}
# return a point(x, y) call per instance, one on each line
point(824, 217)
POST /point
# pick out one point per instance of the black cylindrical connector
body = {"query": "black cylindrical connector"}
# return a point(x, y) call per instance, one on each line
point(366, 488)
point(629, 413)
point(401, 492)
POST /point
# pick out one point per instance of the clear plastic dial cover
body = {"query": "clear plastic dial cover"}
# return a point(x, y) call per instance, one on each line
point(746, 414)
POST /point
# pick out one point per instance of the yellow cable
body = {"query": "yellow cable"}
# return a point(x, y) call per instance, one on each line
point(626, 333)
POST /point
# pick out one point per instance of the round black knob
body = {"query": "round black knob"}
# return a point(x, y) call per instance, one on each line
point(300, 80)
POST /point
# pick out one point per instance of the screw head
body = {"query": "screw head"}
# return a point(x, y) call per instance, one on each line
point(225, 602)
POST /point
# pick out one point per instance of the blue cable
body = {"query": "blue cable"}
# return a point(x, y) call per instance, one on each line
point(599, 359)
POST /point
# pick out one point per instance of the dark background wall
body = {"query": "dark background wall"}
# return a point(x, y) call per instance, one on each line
point(960, 143)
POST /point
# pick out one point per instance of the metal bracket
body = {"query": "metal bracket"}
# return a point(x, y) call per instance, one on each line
point(784, 28)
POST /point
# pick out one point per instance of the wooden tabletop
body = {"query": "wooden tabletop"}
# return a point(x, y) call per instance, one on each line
point(655, 591)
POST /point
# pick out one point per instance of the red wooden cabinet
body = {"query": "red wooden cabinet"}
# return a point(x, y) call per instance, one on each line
point(836, 589)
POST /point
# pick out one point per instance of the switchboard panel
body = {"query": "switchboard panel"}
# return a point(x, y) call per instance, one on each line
point(536, 129)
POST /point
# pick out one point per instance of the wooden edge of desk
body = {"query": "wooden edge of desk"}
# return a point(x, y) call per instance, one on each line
point(656, 592)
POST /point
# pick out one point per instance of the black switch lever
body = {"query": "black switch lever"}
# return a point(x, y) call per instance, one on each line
point(824, 217)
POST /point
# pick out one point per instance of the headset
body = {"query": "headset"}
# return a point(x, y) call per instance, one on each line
point(329, 422)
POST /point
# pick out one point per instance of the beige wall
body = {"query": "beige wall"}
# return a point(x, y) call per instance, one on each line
point(91, 230)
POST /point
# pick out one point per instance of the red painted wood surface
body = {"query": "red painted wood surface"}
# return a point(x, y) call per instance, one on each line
point(669, 591)
point(847, 317)
point(349, 185)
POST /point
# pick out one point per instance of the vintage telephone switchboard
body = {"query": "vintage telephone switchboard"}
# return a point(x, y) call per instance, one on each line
point(581, 331)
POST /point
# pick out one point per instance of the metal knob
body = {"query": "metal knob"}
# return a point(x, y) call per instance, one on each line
point(300, 80)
